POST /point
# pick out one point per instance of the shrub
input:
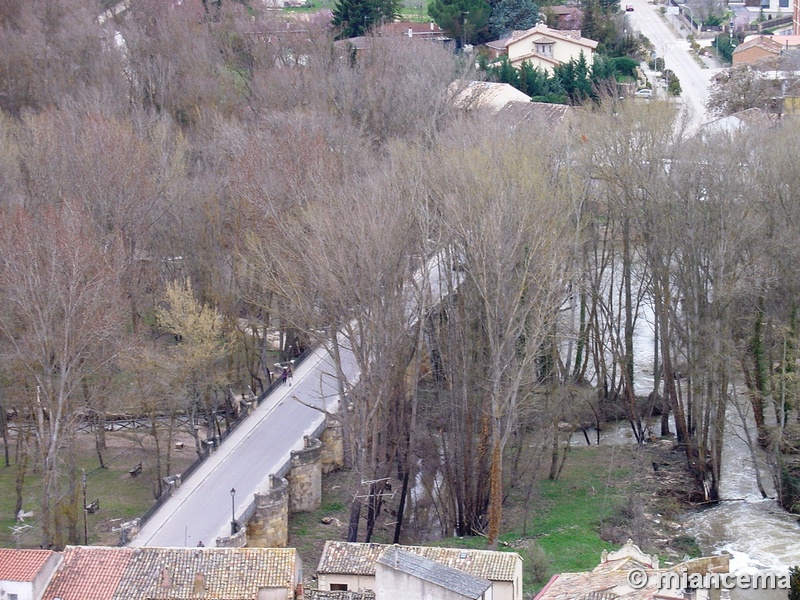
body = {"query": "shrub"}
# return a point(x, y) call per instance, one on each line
point(537, 562)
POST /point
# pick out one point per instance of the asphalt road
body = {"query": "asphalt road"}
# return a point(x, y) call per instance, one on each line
point(201, 508)
point(675, 51)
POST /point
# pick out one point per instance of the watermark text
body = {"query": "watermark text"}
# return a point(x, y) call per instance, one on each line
point(639, 579)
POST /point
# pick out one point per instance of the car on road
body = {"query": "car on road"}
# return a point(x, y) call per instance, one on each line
point(644, 93)
point(629, 8)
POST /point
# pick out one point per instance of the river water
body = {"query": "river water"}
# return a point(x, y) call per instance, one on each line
point(756, 532)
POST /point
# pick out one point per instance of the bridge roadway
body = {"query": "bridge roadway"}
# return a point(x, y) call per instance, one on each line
point(201, 509)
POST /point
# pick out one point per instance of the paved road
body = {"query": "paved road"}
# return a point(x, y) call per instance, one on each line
point(694, 78)
point(200, 510)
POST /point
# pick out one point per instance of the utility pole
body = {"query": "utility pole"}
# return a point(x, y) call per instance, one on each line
point(85, 528)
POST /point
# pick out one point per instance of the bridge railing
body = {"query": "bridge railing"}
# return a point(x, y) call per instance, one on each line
point(206, 452)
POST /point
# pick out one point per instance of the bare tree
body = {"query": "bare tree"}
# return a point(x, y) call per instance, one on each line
point(740, 88)
point(338, 268)
point(60, 322)
point(500, 209)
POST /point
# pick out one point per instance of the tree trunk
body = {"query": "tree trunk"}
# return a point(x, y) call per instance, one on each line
point(4, 431)
point(495, 492)
point(22, 465)
point(100, 437)
point(355, 517)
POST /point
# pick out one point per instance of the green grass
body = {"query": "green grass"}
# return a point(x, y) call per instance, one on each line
point(121, 497)
point(590, 490)
point(566, 517)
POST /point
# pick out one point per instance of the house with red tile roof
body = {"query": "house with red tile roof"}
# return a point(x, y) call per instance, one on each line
point(563, 17)
point(89, 573)
point(218, 573)
point(544, 47)
point(350, 566)
point(756, 50)
point(109, 573)
point(24, 574)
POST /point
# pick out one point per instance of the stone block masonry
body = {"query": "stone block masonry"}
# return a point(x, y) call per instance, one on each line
point(269, 525)
point(305, 477)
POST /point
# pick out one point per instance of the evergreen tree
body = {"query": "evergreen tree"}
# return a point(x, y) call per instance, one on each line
point(461, 19)
point(575, 78)
point(794, 583)
point(508, 15)
point(535, 82)
point(355, 17)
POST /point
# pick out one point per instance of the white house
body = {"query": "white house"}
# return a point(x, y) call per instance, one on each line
point(24, 574)
point(400, 574)
point(351, 566)
point(544, 47)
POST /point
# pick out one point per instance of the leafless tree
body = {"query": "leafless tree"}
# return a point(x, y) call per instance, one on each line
point(338, 267)
point(61, 319)
point(500, 209)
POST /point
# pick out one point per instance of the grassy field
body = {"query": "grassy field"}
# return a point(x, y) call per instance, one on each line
point(120, 496)
point(603, 492)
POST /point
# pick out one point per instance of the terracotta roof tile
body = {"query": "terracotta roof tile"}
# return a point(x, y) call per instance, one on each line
point(88, 573)
point(762, 41)
point(520, 112)
point(22, 565)
point(359, 559)
point(325, 595)
point(224, 573)
point(559, 34)
point(607, 584)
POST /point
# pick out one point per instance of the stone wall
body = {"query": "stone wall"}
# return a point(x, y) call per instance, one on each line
point(269, 525)
point(305, 477)
point(332, 447)
point(237, 540)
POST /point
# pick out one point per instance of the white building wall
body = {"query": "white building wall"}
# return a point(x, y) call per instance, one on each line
point(391, 584)
point(354, 583)
point(23, 590)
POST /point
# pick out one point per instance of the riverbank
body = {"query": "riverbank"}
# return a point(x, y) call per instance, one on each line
point(604, 496)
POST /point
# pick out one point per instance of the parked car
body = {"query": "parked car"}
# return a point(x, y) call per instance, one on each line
point(644, 93)
point(629, 8)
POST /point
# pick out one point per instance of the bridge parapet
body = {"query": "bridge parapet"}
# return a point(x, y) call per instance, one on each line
point(332, 446)
point(237, 540)
point(305, 476)
point(268, 527)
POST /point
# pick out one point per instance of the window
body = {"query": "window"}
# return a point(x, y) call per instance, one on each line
point(784, 4)
point(544, 48)
point(13, 597)
point(338, 587)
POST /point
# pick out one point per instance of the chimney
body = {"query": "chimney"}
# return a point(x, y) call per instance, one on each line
point(410, 32)
point(431, 25)
point(199, 584)
point(165, 579)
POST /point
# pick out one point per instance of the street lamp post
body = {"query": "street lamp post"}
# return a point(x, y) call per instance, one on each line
point(234, 526)
point(691, 19)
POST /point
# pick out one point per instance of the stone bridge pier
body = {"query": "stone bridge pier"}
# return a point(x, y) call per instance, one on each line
point(305, 477)
point(267, 521)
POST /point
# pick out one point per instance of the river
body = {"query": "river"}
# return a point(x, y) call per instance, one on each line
point(756, 532)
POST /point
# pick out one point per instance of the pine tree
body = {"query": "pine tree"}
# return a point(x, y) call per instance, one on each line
point(461, 19)
point(356, 17)
point(508, 15)
point(794, 583)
